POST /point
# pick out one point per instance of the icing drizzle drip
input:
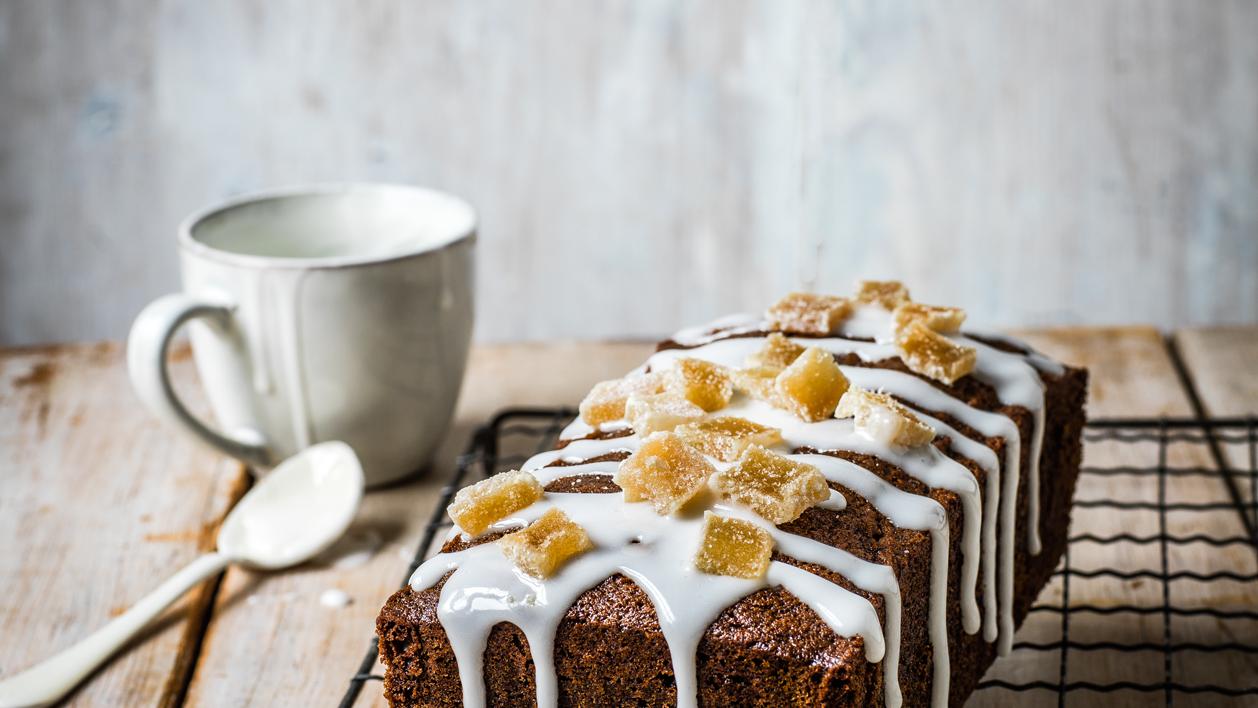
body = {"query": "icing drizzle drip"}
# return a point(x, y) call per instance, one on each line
point(653, 551)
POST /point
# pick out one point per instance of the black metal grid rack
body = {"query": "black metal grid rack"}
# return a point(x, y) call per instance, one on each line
point(1231, 445)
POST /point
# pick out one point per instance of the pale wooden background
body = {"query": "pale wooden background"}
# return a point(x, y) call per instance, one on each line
point(1075, 161)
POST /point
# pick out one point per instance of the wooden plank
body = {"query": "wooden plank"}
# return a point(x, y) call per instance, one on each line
point(1220, 363)
point(1223, 365)
point(1131, 374)
point(271, 641)
point(98, 503)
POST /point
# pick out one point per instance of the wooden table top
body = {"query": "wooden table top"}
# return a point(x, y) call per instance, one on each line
point(99, 502)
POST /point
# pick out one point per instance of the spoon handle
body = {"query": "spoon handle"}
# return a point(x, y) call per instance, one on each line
point(46, 682)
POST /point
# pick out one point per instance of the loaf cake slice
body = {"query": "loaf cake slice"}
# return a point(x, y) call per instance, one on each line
point(846, 501)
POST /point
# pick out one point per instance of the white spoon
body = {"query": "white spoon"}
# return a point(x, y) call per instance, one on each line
point(294, 513)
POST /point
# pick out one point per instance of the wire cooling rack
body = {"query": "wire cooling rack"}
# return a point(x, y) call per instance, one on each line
point(1174, 496)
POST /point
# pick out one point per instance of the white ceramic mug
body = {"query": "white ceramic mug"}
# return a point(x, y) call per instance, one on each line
point(339, 312)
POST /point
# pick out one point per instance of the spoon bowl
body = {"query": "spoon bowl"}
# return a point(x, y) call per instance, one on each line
point(297, 510)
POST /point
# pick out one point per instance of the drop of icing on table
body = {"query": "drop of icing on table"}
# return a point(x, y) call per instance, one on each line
point(335, 598)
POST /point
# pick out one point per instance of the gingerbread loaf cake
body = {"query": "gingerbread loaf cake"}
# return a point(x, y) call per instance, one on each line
point(846, 501)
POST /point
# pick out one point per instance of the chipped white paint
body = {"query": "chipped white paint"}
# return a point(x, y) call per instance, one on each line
point(709, 156)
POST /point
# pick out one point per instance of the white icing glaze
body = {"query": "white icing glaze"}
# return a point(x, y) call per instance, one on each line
point(954, 477)
point(579, 450)
point(907, 511)
point(576, 430)
point(655, 552)
point(651, 550)
point(869, 322)
point(1014, 381)
point(925, 463)
point(890, 501)
point(986, 459)
point(1015, 377)
point(1017, 383)
point(901, 508)
point(719, 328)
point(836, 502)
point(1041, 363)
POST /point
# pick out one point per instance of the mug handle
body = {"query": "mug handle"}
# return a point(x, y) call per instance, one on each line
point(147, 348)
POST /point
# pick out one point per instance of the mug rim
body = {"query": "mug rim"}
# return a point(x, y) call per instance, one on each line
point(189, 244)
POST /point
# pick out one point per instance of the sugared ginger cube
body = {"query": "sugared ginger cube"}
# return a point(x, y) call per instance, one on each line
point(884, 419)
point(541, 547)
point(703, 383)
point(777, 353)
point(808, 313)
point(664, 471)
point(733, 547)
point(476, 507)
point(940, 319)
point(653, 412)
point(606, 401)
point(726, 437)
point(775, 487)
point(757, 382)
point(931, 354)
point(884, 293)
point(812, 386)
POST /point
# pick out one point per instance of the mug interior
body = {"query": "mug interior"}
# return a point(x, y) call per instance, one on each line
point(334, 225)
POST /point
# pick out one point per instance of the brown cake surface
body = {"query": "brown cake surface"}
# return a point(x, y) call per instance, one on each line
point(769, 648)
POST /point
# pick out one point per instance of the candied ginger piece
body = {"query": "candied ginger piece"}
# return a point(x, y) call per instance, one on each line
point(606, 401)
point(812, 386)
point(885, 293)
point(932, 354)
point(541, 547)
point(726, 437)
point(775, 487)
point(653, 412)
point(938, 318)
point(664, 471)
point(733, 547)
point(476, 507)
point(757, 381)
point(808, 313)
point(703, 383)
point(882, 418)
point(777, 353)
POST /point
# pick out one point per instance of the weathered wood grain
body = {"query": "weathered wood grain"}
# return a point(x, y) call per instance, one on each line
point(1131, 373)
point(1223, 363)
point(1039, 162)
point(98, 503)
